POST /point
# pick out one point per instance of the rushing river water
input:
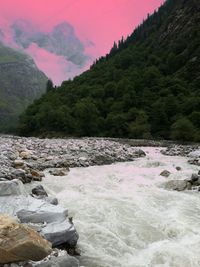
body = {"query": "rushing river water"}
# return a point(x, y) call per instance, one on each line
point(125, 219)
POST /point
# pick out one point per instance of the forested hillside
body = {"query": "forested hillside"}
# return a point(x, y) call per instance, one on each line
point(20, 83)
point(147, 86)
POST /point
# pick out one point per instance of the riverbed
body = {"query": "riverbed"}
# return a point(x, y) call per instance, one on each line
point(125, 217)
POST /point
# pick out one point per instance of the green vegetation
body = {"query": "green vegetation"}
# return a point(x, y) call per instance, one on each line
point(147, 86)
point(20, 83)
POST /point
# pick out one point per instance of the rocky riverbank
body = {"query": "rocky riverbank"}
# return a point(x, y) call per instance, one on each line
point(192, 152)
point(23, 160)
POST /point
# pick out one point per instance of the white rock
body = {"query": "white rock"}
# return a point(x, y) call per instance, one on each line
point(12, 188)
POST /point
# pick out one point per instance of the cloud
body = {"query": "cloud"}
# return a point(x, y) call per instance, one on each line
point(53, 66)
point(96, 24)
point(59, 53)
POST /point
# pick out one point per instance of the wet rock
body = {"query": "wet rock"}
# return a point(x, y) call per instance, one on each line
point(194, 154)
point(39, 191)
point(18, 163)
point(194, 162)
point(194, 177)
point(19, 242)
point(179, 150)
point(51, 220)
point(18, 173)
point(36, 173)
point(63, 261)
point(178, 185)
point(165, 173)
point(41, 212)
point(51, 200)
point(140, 153)
point(11, 188)
point(37, 179)
point(59, 172)
point(61, 232)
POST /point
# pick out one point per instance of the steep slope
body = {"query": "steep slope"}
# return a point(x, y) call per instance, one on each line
point(20, 83)
point(147, 86)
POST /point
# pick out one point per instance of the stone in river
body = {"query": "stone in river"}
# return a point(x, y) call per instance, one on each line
point(165, 173)
point(178, 185)
point(59, 171)
point(39, 191)
point(11, 188)
point(19, 242)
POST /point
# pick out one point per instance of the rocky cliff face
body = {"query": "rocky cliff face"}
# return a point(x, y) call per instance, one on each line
point(20, 83)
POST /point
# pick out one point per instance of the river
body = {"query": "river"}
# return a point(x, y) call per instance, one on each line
point(125, 218)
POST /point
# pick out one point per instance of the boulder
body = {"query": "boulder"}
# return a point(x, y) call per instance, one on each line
point(178, 185)
point(178, 168)
point(165, 173)
point(53, 221)
point(39, 191)
point(51, 200)
point(12, 188)
point(194, 154)
point(195, 177)
point(60, 232)
point(40, 212)
point(19, 242)
point(18, 174)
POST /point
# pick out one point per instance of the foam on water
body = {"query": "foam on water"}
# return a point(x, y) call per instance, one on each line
point(125, 218)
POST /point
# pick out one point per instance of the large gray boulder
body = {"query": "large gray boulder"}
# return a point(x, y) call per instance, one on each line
point(42, 212)
point(178, 185)
point(12, 188)
point(39, 191)
point(51, 221)
point(60, 232)
point(194, 154)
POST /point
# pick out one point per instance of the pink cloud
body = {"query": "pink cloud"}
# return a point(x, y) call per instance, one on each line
point(98, 21)
point(53, 66)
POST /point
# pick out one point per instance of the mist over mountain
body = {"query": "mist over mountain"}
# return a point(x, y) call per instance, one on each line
point(61, 41)
point(59, 53)
point(146, 87)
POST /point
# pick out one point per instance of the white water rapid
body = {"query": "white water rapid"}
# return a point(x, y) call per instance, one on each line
point(125, 219)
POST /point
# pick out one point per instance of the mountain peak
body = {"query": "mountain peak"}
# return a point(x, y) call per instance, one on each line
point(64, 28)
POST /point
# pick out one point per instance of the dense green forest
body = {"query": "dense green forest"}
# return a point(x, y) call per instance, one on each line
point(148, 86)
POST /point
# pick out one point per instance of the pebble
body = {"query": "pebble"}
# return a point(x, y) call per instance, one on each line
point(26, 158)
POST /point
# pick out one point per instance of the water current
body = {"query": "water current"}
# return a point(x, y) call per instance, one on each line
point(125, 218)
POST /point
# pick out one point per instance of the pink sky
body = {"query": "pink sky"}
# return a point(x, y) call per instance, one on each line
point(99, 21)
